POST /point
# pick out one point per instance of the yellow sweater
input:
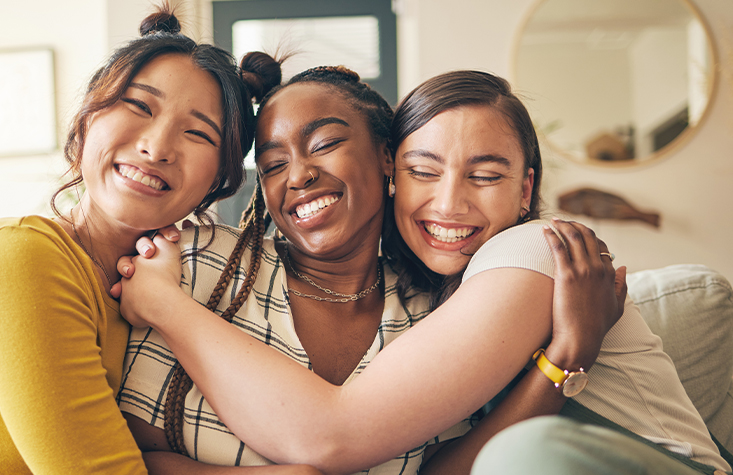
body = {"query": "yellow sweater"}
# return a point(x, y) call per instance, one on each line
point(62, 344)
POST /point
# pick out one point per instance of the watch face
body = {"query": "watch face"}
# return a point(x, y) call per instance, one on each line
point(574, 384)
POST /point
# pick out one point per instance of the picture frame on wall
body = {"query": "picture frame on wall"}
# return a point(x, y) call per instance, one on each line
point(27, 102)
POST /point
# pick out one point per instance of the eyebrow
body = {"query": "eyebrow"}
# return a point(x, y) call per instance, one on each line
point(311, 127)
point(306, 131)
point(152, 90)
point(488, 158)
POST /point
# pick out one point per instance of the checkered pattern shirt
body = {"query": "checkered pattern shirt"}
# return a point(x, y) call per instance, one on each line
point(266, 315)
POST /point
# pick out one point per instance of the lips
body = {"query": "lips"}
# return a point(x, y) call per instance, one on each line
point(312, 208)
point(449, 234)
point(135, 174)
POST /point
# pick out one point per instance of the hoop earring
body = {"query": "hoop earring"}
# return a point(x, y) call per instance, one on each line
point(524, 212)
point(391, 189)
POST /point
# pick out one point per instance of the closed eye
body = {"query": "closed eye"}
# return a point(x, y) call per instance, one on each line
point(421, 174)
point(137, 103)
point(203, 135)
point(322, 146)
point(486, 179)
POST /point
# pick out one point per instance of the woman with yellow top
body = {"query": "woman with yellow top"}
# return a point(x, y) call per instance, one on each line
point(161, 133)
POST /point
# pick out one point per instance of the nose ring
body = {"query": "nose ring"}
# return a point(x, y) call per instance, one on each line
point(313, 178)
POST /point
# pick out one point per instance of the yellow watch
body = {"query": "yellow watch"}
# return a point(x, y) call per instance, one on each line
point(570, 383)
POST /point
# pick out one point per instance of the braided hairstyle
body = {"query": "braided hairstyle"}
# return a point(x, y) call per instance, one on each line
point(253, 231)
point(438, 94)
point(255, 221)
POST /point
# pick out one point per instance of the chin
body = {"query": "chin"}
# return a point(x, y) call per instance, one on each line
point(445, 265)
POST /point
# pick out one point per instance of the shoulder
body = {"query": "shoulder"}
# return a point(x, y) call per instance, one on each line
point(32, 239)
point(522, 246)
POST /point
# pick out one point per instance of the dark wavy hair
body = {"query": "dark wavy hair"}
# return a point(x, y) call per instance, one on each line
point(439, 94)
point(160, 35)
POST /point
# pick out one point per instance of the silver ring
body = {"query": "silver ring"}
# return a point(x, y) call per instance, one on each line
point(610, 255)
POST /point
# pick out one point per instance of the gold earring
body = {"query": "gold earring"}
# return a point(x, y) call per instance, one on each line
point(392, 189)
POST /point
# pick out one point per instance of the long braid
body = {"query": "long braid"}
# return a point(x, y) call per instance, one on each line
point(253, 230)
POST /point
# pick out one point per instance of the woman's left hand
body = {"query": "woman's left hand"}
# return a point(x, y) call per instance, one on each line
point(589, 294)
point(155, 281)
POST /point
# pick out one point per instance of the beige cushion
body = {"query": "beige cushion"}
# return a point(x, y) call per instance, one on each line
point(691, 308)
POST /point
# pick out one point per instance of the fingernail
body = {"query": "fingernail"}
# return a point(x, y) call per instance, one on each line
point(555, 218)
point(546, 227)
point(147, 250)
point(125, 270)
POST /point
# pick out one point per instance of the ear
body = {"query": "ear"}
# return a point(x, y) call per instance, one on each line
point(385, 159)
point(527, 185)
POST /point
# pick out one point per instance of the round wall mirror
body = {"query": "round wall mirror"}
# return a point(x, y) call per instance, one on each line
point(615, 81)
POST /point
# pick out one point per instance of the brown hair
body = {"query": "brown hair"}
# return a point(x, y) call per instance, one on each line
point(439, 94)
point(160, 32)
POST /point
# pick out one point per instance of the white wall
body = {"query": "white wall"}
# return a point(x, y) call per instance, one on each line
point(692, 188)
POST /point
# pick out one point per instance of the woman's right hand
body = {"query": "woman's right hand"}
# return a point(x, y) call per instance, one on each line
point(588, 297)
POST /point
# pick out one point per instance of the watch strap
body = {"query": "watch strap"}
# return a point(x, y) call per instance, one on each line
point(555, 374)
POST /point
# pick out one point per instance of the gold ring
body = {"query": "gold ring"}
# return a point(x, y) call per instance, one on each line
point(311, 174)
point(610, 255)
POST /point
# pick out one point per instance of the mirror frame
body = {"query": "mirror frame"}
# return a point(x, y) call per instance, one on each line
point(655, 157)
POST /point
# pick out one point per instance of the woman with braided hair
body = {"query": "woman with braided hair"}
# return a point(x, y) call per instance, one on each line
point(162, 132)
point(321, 296)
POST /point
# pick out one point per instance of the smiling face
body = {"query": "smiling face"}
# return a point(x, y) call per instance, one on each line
point(460, 180)
point(322, 173)
point(149, 159)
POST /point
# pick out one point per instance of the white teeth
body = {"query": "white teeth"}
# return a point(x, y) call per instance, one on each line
point(309, 209)
point(448, 234)
point(136, 175)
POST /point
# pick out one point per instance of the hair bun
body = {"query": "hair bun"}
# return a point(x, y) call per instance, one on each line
point(162, 21)
point(260, 73)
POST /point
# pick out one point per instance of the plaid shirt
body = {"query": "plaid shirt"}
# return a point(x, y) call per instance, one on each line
point(266, 316)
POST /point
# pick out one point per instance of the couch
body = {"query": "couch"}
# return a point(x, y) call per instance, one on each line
point(691, 308)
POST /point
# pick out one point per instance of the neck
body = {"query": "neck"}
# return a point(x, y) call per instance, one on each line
point(349, 274)
point(103, 240)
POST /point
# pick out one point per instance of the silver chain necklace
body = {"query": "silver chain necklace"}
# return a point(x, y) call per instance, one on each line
point(99, 264)
point(344, 297)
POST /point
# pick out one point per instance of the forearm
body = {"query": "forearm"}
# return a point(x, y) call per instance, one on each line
point(288, 414)
point(534, 395)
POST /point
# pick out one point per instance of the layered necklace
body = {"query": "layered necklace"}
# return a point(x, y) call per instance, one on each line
point(91, 256)
point(344, 298)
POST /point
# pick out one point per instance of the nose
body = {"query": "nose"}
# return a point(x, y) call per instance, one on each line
point(157, 142)
point(449, 197)
point(301, 175)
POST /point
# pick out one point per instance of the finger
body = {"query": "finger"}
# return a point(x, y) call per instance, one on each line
point(573, 238)
point(166, 248)
point(145, 247)
point(125, 266)
point(171, 233)
point(589, 239)
point(559, 252)
point(603, 249)
point(116, 290)
point(620, 286)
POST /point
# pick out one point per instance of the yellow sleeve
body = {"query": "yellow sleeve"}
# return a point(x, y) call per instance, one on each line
point(55, 401)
